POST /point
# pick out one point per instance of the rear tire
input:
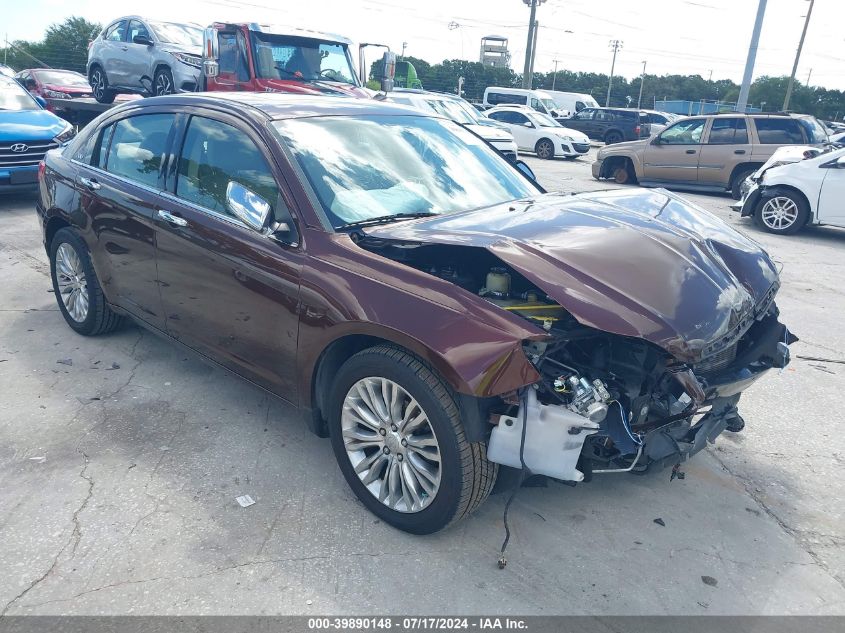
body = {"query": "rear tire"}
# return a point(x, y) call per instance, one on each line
point(736, 185)
point(464, 475)
point(100, 86)
point(545, 149)
point(78, 292)
point(612, 137)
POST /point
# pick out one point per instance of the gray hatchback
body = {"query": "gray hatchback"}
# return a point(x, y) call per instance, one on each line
point(137, 55)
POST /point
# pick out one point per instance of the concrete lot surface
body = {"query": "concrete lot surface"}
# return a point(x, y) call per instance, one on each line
point(120, 466)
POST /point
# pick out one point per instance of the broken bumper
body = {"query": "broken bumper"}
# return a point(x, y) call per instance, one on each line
point(748, 204)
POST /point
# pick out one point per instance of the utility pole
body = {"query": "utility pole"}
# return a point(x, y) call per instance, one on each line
point(533, 54)
point(460, 85)
point(615, 45)
point(742, 102)
point(797, 57)
point(404, 46)
point(532, 40)
point(809, 74)
point(710, 76)
point(642, 79)
point(554, 76)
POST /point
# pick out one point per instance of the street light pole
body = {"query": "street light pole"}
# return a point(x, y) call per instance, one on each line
point(554, 76)
point(797, 57)
point(404, 46)
point(642, 79)
point(742, 102)
point(615, 45)
point(532, 40)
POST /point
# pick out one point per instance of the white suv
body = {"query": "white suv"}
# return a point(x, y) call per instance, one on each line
point(540, 133)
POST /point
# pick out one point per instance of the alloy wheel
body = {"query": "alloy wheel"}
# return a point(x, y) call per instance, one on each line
point(73, 287)
point(391, 444)
point(163, 85)
point(98, 83)
point(779, 213)
point(544, 150)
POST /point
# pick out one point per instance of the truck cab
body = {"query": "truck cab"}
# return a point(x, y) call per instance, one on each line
point(260, 58)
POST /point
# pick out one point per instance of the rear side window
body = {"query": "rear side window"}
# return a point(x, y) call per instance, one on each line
point(730, 131)
point(514, 118)
point(115, 32)
point(214, 154)
point(495, 98)
point(777, 130)
point(605, 115)
point(137, 147)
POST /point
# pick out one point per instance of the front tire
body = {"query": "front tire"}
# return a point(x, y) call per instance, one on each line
point(398, 438)
point(78, 292)
point(100, 86)
point(545, 149)
point(782, 212)
point(163, 83)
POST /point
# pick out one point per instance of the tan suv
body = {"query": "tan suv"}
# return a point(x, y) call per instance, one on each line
point(706, 153)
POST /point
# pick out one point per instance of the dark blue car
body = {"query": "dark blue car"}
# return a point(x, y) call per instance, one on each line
point(27, 132)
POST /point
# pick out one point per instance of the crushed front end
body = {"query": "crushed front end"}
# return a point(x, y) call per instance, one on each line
point(608, 403)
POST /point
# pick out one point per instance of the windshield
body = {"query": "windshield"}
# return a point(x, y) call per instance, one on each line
point(815, 132)
point(182, 34)
point(61, 78)
point(550, 105)
point(301, 58)
point(544, 120)
point(450, 110)
point(375, 166)
point(13, 97)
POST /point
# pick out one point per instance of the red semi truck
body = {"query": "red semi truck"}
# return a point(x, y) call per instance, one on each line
point(261, 58)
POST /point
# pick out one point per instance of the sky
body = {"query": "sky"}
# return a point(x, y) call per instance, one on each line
point(671, 36)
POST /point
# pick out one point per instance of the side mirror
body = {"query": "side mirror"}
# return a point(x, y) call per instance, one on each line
point(840, 162)
point(210, 53)
point(656, 140)
point(142, 39)
point(248, 207)
point(525, 169)
point(528, 124)
point(388, 64)
point(41, 101)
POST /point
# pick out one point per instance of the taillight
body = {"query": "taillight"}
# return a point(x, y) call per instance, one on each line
point(42, 167)
point(637, 130)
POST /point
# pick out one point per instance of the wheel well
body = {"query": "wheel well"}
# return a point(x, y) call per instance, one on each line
point(741, 168)
point(772, 191)
point(614, 131)
point(609, 164)
point(53, 226)
point(161, 67)
point(91, 69)
point(545, 138)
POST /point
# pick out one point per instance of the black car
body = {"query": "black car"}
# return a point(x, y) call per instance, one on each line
point(611, 125)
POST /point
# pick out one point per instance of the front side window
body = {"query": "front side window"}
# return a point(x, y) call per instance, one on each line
point(585, 115)
point(233, 56)
point(115, 32)
point(137, 28)
point(215, 154)
point(138, 146)
point(301, 58)
point(684, 133)
point(373, 166)
point(778, 131)
point(728, 131)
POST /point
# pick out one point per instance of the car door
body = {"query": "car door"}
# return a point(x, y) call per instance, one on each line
point(113, 53)
point(830, 207)
point(725, 145)
point(229, 291)
point(120, 193)
point(524, 131)
point(583, 122)
point(673, 154)
point(234, 71)
point(137, 57)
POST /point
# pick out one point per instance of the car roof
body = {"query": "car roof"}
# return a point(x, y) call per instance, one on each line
point(275, 105)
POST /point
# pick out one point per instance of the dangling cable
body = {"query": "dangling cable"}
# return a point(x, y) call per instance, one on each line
point(525, 472)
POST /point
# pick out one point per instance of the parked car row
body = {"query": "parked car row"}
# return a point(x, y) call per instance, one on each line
point(540, 133)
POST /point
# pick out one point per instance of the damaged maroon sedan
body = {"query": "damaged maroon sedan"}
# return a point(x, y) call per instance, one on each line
point(423, 301)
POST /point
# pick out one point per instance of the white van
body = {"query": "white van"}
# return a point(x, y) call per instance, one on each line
point(572, 101)
point(537, 99)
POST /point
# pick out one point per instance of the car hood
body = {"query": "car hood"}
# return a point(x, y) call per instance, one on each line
point(189, 49)
point(640, 263)
point(576, 135)
point(29, 125)
point(623, 147)
point(336, 88)
point(490, 133)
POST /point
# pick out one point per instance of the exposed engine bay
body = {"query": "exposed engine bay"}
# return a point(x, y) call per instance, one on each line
point(605, 402)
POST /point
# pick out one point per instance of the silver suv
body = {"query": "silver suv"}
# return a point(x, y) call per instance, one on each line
point(134, 54)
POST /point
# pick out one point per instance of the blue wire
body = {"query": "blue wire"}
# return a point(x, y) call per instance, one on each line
point(626, 426)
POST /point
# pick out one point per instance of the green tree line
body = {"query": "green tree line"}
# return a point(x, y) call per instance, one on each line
point(65, 45)
point(767, 92)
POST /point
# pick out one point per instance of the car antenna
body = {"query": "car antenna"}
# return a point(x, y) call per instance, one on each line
point(523, 475)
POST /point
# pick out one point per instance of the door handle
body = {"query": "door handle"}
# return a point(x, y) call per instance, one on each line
point(89, 183)
point(124, 48)
point(690, 151)
point(171, 219)
point(739, 151)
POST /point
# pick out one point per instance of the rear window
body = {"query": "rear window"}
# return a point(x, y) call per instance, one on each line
point(729, 131)
point(779, 131)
